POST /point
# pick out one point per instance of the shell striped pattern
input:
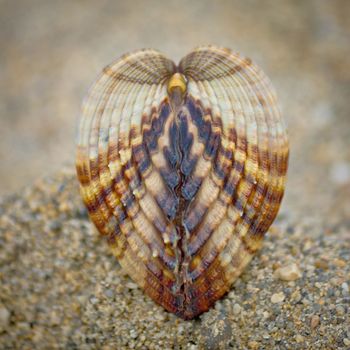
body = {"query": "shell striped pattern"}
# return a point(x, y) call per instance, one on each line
point(182, 168)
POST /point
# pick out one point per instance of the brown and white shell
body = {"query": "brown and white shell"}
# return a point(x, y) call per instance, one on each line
point(182, 168)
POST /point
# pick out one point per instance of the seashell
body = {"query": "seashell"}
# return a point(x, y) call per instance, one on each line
point(182, 168)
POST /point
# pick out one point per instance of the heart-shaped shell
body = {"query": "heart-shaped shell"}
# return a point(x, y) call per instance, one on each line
point(183, 169)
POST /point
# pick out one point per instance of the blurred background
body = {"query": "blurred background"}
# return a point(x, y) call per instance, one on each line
point(51, 51)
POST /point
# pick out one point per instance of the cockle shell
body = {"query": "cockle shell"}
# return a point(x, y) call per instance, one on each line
point(183, 169)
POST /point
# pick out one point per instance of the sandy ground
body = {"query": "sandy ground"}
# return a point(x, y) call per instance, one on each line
point(60, 287)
